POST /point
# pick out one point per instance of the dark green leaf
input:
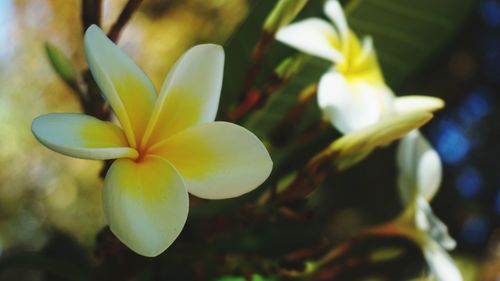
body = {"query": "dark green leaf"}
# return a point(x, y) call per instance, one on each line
point(407, 32)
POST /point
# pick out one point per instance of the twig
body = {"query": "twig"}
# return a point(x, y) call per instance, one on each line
point(354, 259)
point(309, 178)
point(91, 13)
point(123, 18)
point(257, 99)
point(249, 94)
point(285, 128)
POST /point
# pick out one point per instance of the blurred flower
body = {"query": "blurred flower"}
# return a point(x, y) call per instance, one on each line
point(420, 173)
point(353, 94)
point(167, 145)
point(420, 168)
point(419, 223)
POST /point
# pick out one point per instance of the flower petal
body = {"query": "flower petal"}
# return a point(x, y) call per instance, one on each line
point(420, 168)
point(217, 160)
point(334, 11)
point(124, 85)
point(380, 134)
point(409, 104)
point(145, 203)
point(352, 104)
point(82, 136)
point(313, 36)
point(440, 263)
point(365, 64)
point(190, 94)
point(427, 222)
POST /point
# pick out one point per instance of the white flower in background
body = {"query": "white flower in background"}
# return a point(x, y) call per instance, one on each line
point(353, 93)
point(419, 178)
point(420, 174)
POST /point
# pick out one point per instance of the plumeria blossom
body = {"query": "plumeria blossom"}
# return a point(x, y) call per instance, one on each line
point(166, 145)
point(419, 179)
point(420, 173)
point(353, 93)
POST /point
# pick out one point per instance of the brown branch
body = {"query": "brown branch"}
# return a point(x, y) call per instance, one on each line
point(91, 13)
point(123, 18)
point(257, 99)
point(250, 96)
point(283, 131)
point(309, 178)
point(354, 260)
point(256, 60)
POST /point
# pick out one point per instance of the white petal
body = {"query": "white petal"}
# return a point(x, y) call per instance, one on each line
point(367, 53)
point(124, 85)
point(408, 104)
point(334, 11)
point(313, 36)
point(434, 228)
point(145, 203)
point(440, 263)
point(380, 134)
point(420, 168)
point(352, 104)
point(82, 136)
point(217, 160)
point(190, 94)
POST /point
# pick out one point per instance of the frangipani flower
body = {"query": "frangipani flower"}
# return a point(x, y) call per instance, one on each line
point(167, 145)
point(353, 94)
point(419, 223)
point(420, 171)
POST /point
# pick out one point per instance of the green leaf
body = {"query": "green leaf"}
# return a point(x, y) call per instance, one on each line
point(407, 32)
point(263, 121)
point(283, 13)
point(61, 64)
point(257, 277)
point(231, 278)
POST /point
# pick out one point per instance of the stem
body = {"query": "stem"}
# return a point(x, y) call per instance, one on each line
point(91, 13)
point(354, 259)
point(123, 18)
point(310, 177)
point(249, 95)
point(257, 99)
point(282, 133)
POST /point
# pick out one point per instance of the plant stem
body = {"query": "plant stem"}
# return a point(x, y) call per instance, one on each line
point(249, 95)
point(310, 177)
point(123, 18)
point(91, 13)
point(257, 99)
point(283, 131)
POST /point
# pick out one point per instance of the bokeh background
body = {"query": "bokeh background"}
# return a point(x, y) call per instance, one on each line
point(43, 194)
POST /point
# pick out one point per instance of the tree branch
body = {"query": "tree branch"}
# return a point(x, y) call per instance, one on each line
point(123, 18)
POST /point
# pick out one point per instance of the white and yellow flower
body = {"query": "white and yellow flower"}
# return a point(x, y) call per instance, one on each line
point(420, 173)
point(353, 93)
point(166, 146)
